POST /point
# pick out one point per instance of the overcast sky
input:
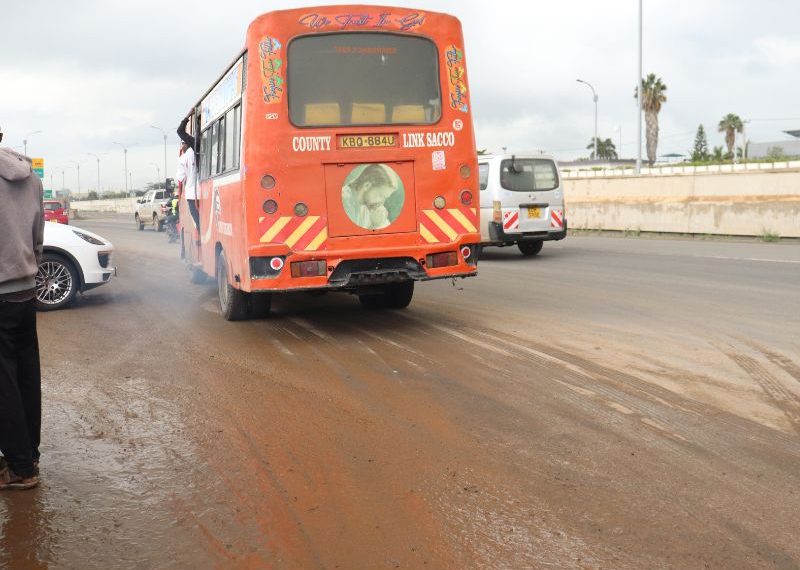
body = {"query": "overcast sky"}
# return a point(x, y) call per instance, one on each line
point(87, 73)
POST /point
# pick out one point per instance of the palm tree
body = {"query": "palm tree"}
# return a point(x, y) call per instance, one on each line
point(730, 125)
point(652, 97)
point(605, 149)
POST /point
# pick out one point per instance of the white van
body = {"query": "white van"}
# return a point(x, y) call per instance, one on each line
point(522, 201)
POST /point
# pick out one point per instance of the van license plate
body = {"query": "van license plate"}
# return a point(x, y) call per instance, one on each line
point(534, 213)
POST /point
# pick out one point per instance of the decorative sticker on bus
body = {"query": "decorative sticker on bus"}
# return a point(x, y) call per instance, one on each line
point(222, 96)
point(444, 226)
point(438, 160)
point(455, 78)
point(373, 196)
point(364, 20)
point(269, 50)
point(311, 144)
point(308, 233)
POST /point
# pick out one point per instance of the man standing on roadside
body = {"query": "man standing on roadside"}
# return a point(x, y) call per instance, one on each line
point(21, 229)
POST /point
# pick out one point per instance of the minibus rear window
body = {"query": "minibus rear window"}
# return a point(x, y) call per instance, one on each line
point(483, 175)
point(528, 174)
point(363, 79)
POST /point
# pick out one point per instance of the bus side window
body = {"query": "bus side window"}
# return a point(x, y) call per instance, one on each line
point(237, 134)
point(214, 146)
point(483, 174)
point(230, 133)
point(204, 154)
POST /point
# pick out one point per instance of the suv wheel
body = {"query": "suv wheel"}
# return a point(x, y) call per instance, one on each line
point(57, 282)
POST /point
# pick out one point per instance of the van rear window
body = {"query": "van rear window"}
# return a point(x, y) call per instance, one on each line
point(528, 174)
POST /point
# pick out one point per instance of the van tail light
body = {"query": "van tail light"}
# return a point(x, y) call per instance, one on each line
point(442, 259)
point(309, 268)
point(497, 211)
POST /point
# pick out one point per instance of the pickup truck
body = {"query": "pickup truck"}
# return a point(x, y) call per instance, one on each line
point(152, 208)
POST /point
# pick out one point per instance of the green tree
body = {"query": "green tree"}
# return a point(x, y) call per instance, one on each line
point(92, 195)
point(653, 97)
point(716, 154)
point(605, 149)
point(700, 149)
point(730, 125)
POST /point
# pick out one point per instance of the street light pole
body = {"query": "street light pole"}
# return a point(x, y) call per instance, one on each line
point(165, 152)
point(125, 154)
point(639, 100)
point(25, 141)
point(78, 166)
point(158, 172)
point(98, 171)
point(594, 98)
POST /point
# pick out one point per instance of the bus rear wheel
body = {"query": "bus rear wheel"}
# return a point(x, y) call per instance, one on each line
point(234, 303)
point(392, 296)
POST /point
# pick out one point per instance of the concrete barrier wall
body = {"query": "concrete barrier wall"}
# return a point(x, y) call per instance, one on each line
point(119, 205)
point(742, 203)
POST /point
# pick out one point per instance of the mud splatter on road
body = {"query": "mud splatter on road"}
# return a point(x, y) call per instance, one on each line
point(606, 424)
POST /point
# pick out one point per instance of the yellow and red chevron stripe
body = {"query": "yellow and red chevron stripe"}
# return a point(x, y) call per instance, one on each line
point(308, 233)
point(444, 226)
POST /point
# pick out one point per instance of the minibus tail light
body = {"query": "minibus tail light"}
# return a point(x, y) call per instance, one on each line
point(300, 209)
point(268, 182)
point(439, 202)
point(309, 268)
point(444, 259)
point(465, 171)
point(270, 206)
point(466, 197)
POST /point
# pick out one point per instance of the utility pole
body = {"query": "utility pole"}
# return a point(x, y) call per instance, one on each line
point(98, 171)
point(158, 173)
point(639, 100)
point(78, 166)
point(165, 152)
point(125, 154)
point(594, 98)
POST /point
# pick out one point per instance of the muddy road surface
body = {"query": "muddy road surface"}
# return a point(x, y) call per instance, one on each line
point(611, 403)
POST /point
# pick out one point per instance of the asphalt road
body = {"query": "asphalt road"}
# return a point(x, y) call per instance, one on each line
point(611, 403)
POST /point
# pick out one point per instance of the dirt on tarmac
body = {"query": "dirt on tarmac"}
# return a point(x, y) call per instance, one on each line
point(610, 403)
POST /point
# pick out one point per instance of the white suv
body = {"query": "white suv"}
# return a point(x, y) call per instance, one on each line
point(73, 260)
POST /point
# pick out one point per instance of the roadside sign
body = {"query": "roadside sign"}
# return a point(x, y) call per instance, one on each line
point(38, 167)
point(48, 194)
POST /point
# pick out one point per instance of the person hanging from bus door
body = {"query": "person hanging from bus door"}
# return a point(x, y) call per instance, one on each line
point(187, 170)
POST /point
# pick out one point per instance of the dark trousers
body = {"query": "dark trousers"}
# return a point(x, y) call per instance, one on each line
point(195, 213)
point(20, 387)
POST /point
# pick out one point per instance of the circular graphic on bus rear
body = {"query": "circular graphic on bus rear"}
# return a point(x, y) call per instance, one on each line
point(373, 196)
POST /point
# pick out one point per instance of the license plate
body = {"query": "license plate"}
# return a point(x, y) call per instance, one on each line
point(367, 141)
point(534, 213)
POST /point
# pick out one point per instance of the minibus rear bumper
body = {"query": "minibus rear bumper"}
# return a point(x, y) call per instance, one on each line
point(356, 269)
point(498, 236)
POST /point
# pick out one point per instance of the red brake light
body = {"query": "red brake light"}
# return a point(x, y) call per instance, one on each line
point(309, 268)
point(466, 197)
point(443, 259)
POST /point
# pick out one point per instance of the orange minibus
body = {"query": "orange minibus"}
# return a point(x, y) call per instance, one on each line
point(336, 152)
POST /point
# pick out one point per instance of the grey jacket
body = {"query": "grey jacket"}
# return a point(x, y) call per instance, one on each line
point(21, 222)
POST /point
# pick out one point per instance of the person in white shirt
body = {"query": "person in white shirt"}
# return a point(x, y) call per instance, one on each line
point(187, 168)
point(187, 176)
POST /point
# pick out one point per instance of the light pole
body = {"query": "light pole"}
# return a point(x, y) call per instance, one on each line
point(639, 100)
point(165, 153)
point(158, 172)
point(619, 154)
point(98, 171)
point(25, 141)
point(594, 97)
point(78, 166)
point(125, 154)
